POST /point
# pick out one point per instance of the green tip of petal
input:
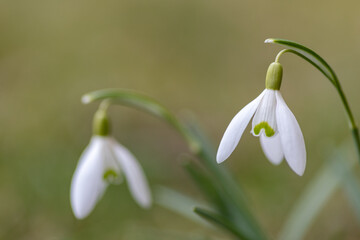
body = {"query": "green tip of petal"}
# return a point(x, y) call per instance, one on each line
point(264, 125)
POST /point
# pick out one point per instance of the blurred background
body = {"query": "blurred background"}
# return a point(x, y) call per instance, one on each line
point(200, 56)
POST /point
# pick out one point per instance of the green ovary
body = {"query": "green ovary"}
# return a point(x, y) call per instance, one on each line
point(264, 125)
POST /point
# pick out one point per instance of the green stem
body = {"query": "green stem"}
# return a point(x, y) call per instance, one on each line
point(281, 53)
point(355, 133)
point(352, 124)
point(346, 105)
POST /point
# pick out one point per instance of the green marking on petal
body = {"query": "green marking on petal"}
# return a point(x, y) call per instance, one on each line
point(264, 125)
point(110, 175)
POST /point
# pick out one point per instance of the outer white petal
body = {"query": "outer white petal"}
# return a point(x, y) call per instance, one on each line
point(292, 140)
point(236, 128)
point(134, 175)
point(87, 185)
point(272, 148)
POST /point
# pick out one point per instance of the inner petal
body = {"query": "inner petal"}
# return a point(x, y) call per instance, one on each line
point(112, 171)
point(264, 121)
point(112, 177)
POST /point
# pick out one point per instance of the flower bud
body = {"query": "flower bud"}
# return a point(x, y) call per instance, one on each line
point(101, 125)
point(274, 76)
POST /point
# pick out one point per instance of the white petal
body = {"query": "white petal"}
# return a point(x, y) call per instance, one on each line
point(272, 148)
point(134, 175)
point(110, 159)
point(87, 185)
point(292, 140)
point(264, 121)
point(236, 128)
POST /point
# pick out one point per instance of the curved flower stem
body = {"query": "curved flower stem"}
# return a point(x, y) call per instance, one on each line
point(335, 81)
point(104, 105)
point(353, 127)
point(282, 52)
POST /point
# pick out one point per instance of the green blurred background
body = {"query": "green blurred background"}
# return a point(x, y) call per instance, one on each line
point(202, 56)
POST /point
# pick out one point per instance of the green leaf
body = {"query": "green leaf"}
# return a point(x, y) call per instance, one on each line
point(315, 196)
point(143, 103)
point(177, 202)
point(352, 189)
point(309, 55)
point(219, 221)
point(237, 216)
point(223, 176)
point(207, 185)
point(237, 208)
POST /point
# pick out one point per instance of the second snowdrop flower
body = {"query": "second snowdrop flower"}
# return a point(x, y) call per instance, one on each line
point(279, 132)
point(105, 161)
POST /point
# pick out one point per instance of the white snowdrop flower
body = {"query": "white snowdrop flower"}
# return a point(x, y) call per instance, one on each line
point(279, 132)
point(105, 161)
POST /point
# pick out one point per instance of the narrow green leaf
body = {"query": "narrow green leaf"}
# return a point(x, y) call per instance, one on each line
point(208, 154)
point(356, 137)
point(210, 189)
point(143, 103)
point(237, 207)
point(315, 196)
point(219, 221)
point(178, 203)
point(309, 55)
point(352, 189)
point(239, 218)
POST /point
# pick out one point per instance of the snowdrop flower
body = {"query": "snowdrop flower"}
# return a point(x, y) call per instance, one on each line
point(280, 134)
point(105, 161)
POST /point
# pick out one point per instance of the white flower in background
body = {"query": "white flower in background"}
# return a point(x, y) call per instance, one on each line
point(280, 134)
point(105, 161)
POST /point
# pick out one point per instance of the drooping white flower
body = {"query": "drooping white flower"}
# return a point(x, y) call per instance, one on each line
point(280, 134)
point(105, 161)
